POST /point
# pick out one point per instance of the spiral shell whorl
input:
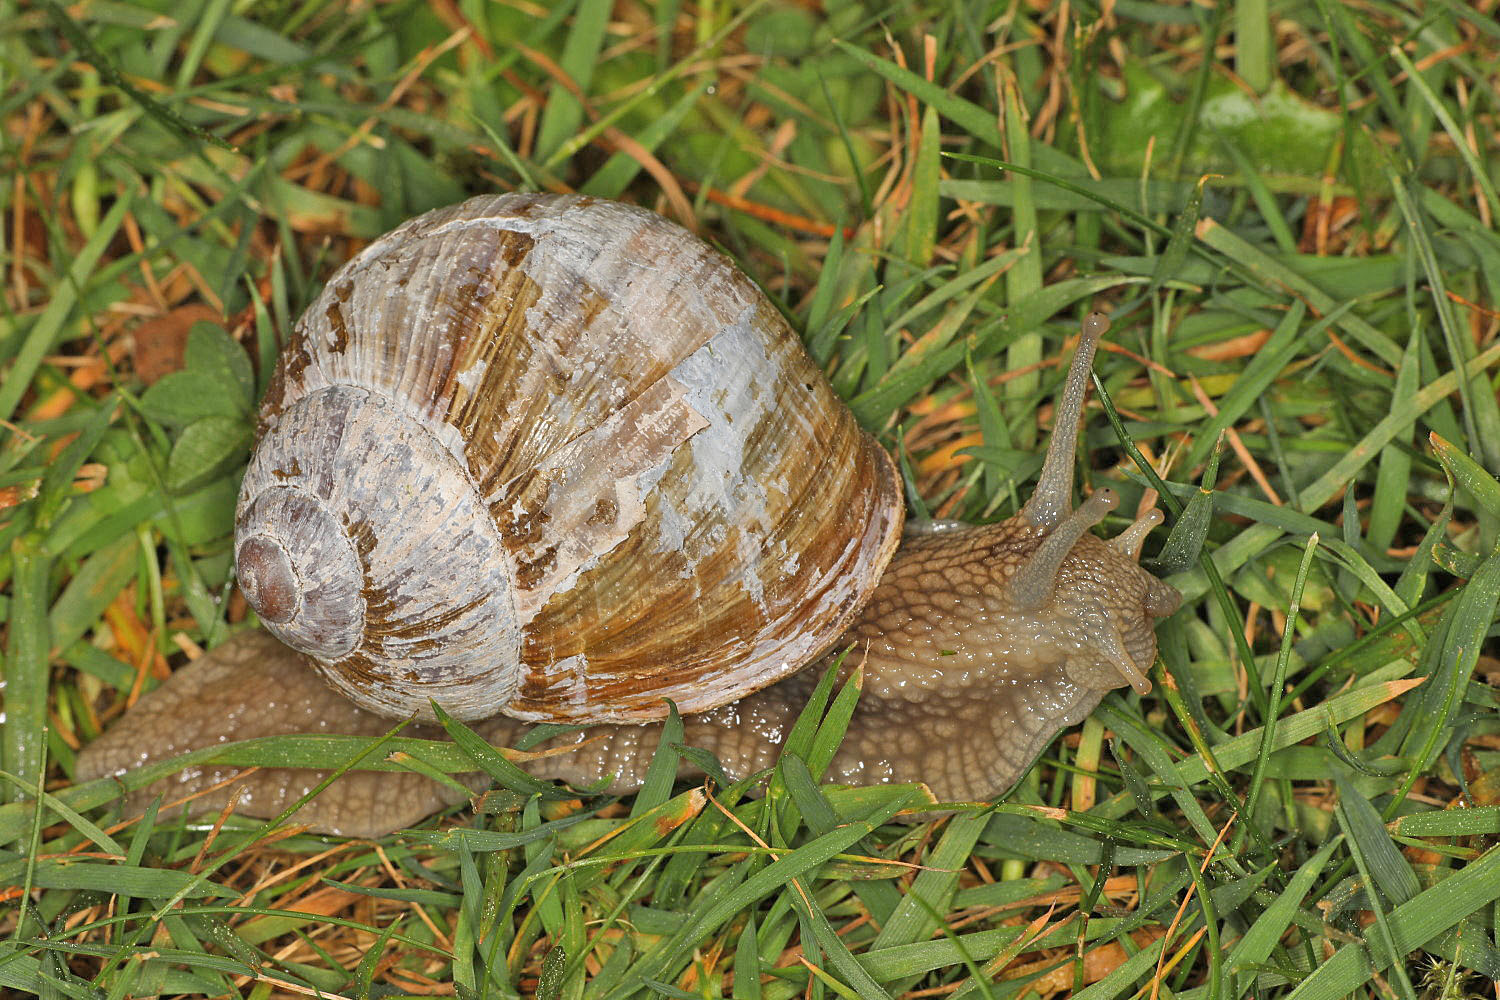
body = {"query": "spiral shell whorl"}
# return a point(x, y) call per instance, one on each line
point(356, 528)
point(300, 573)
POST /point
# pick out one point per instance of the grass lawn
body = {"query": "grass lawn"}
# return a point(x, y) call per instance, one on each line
point(1290, 212)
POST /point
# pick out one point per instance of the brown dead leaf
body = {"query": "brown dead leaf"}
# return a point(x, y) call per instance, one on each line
point(1485, 789)
point(1325, 227)
point(1232, 349)
point(1097, 963)
point(161, 340)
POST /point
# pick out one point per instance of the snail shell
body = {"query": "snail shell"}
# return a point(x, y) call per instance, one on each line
point(556, 458)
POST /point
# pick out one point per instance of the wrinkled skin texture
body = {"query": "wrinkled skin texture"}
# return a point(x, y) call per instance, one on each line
point(250, 686)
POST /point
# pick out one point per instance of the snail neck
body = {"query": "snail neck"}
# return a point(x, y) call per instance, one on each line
point(995, 606)
point(945, 615)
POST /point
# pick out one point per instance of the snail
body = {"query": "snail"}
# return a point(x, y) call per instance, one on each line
point(552, 458)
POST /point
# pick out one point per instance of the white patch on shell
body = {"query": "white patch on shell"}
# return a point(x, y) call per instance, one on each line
point(672, 534)
point(575, 668)
point(590, 494)
point(732, 378)
point(472, 377)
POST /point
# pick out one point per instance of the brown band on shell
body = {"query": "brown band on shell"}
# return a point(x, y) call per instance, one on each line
point(550, 518)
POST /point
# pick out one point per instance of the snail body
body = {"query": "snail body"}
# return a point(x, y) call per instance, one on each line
point(549, 458)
